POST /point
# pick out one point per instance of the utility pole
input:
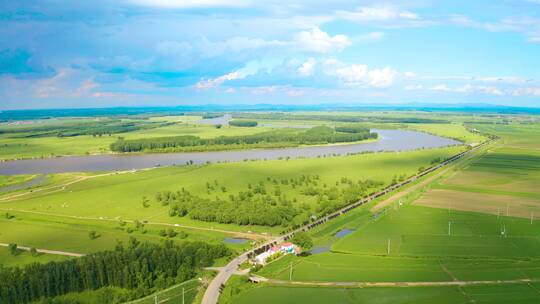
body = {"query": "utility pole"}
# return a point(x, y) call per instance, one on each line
point(388, 247)
point(498, 212)
point(449, 227)
point(183, 298)
point(532, 216)
point(507, 207)
point(155, 299)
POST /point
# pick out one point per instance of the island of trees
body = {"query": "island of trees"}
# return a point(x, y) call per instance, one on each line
point(276, 138)
point(265, 203)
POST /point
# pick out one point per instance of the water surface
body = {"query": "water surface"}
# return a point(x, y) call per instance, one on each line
point(389, 140)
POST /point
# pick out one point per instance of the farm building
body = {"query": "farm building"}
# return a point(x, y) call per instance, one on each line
point(285, 248)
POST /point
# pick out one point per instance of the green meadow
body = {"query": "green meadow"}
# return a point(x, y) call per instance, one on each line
point(500, 294)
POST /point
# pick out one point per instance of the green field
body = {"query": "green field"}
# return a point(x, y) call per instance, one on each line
point(408, 243)
point(413, 243)
point(400, 295)
point(505, 179)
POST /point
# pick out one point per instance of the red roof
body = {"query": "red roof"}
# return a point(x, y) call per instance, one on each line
point(286, 244)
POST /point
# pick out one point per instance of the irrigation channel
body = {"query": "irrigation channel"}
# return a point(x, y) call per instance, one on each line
point(213, 291)
point(389, 140)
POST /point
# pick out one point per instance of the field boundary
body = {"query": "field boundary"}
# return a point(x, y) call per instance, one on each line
point(47, 251)
point(390, 284)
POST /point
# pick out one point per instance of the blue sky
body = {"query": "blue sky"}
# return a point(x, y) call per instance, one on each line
point(170, 52)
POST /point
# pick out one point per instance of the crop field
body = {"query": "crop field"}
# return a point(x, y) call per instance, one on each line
point(516, 293)
point(421, 250)
point(504, 180)
point(483, 228)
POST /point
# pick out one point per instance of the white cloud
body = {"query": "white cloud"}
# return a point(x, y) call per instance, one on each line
point(316, 40)
point(381, 78)
point(361, 75)
point(216, 82)
point(381, 13)
point(410, 74)
point(373, 36)
point(307, 67)
point(468, 89)
point(527, 91)
point(185, 4)
point(386, 16)
point(527, 26)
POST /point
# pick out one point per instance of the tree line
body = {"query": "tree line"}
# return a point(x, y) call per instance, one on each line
point(315, 135)
point(95, 128)
point(337, 118)
point(243, 123)
point(141, 267)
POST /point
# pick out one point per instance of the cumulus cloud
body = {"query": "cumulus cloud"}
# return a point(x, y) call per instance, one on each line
point(318, 41)
point(215, 82)
point(307, 67)
point(361, 75)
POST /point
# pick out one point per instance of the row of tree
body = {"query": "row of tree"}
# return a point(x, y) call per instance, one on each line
point(95, 128)
point(315, 135)
point(143, 267)
point(243, 123)
point(338, 118)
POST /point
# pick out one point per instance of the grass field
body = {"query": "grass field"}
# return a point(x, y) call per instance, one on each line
point(519, 293)
point(505, 179)
point(24, 257)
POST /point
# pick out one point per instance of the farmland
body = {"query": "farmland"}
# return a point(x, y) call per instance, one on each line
point(469, 236)
point(406, 243)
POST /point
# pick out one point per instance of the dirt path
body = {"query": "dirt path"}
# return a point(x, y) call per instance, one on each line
point(394, 284)
point(251, 236)
point(56, 252)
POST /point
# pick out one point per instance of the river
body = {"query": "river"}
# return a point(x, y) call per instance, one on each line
point(389, 140)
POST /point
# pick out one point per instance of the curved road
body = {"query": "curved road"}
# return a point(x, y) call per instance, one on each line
point(211, 296)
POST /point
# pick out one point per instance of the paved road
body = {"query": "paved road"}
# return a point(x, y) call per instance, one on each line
point(213, 291)
point(71, 254)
